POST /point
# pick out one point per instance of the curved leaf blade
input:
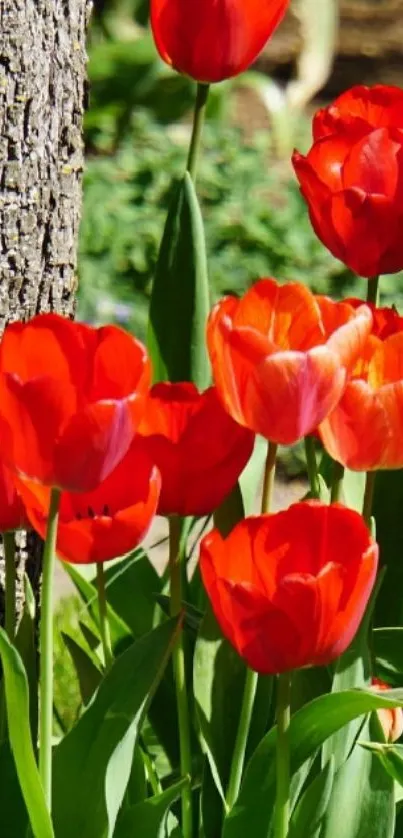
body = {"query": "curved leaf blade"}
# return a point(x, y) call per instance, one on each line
point(17, 700)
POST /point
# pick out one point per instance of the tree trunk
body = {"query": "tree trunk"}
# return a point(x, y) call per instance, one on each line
point(42, 98)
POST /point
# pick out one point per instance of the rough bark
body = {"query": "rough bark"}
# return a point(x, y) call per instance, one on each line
point(42, 98)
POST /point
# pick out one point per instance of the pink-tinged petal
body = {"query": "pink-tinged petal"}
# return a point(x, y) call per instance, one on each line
point(93, 443)
point(357, 432)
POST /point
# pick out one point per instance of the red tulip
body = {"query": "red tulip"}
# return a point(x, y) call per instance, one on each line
point(352, 179)
point(364, 431)
point(199, 450)
point(391, 720)
point(213, 39)
point(12, 510)
point(107, 522)
point(289, 590)
point(280, 357)
point(70, 399)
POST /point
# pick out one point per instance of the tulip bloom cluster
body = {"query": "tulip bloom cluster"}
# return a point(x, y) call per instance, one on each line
point(91, 451)
point(77, 414)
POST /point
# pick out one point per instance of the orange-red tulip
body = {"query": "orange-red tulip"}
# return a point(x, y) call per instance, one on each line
point(12, 510)
point(107, 522)
point(199, 450)
point(289, 590)
point(70, 399)
point(364, 431)
point(391, 720)
point(352, 179)
point(212, 40)
point(281, 356)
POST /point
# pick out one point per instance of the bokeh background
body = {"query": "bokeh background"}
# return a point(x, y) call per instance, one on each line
point(137, 130)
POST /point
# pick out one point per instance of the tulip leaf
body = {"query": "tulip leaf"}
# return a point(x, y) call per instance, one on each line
point(388, 649)
point(387, 509)
point(363, 794)
point(308, 814)
point(94, 760)
point(310, 727)
point(88, 671)
point(134, 573)
point(179, 303)
point(120, 632)
point(14, 817)
point(391, 757)
point(148, 819)
point(17, 701)
point(219, 672)
point(353, 669)
point(26, 644)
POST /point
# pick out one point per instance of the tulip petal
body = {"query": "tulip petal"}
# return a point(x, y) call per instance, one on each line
point(32, 416)
point(92, 445)
point(217, 40)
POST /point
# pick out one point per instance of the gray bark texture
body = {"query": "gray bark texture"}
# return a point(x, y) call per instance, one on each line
point(42, 100)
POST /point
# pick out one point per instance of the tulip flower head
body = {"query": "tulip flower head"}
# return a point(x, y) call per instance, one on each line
point(71, 397)
point(281, 356)
point(289, 590)
point(363, 432)
point(199, 450)
point(352, 179)
point(212, 40)
point(107, 522)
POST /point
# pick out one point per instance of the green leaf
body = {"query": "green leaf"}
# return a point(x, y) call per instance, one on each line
point(310, 727)
point(308, 814)
point(17, 700)
point(363, 795)
point(218, 672)
point(387, 509)
point(89, 673)
point(26, 644)
point(391, 757)
point(134, 573)
point(252, 475)
point(179, 304)
point(230, 512)
point(120, 631)
point(14, 817)
point(149, 818)
point(353, 669)
point(192, 617)
point(388, 649)
point(94, 760)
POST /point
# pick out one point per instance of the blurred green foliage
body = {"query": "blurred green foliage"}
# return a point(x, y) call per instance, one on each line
point(137, 131)
point(256, 221)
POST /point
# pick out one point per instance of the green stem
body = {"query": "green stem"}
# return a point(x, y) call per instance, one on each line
point(269, 477)
point(373, 290)
point(103, 617)
point(369, 496)
point(238, 757)
point(312, 466)
point(282, 812)
point(198, 122)
point(46, 650)
point(337, 482)
point(175, 529)
point(252, 678)
point(11, 578)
